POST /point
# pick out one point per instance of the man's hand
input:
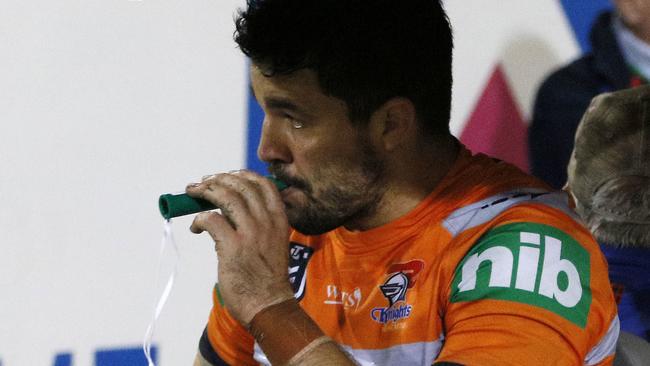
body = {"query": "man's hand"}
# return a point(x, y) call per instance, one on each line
point(251, 236)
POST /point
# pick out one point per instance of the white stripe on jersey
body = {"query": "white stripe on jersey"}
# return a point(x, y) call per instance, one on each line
point(487, 209)
point(606, 346)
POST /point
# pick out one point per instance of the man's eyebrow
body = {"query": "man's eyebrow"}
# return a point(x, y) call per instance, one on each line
point(281, 103)
point(275, 102)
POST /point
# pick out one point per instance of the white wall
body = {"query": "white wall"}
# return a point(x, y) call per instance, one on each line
point(104, 105)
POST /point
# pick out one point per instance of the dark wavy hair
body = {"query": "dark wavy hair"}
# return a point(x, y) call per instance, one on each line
point(364, 52)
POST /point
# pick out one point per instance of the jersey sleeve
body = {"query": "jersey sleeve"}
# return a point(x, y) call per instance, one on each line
point(530, 293)
point(225, 341)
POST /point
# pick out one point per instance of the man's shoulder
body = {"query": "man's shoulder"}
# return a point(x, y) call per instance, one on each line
point(540, 203)
point(479, 177)
point(530, 263)
point(522, 256)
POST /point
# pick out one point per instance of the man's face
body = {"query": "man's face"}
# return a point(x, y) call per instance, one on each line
point(335, 176)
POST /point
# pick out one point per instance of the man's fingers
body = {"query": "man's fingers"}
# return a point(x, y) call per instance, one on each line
point(194, 228)
point(207, 177)
point(215, 224)
point(269, 197)
point(230, 200)
point(242, 195)
point(248, 202)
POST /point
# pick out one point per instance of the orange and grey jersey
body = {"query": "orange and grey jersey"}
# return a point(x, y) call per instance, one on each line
point(490, 269)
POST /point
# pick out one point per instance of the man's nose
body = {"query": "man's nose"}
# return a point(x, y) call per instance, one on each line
point(273, 143)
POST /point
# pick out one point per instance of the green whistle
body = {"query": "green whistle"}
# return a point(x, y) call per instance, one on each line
point(174, 205)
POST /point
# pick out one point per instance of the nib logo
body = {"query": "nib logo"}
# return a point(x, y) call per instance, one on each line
point(528, 263)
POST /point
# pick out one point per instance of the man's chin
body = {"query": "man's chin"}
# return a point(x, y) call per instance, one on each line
point(308, 229)
point(310, 224)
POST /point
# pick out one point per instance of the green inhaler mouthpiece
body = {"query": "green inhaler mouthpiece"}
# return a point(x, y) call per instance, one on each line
point(174, 205)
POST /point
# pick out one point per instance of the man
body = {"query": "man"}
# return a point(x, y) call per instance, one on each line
point(405, 248)
point(609, 176)
point(619, 59)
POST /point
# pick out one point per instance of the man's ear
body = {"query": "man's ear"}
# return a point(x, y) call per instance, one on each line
point(392, 123)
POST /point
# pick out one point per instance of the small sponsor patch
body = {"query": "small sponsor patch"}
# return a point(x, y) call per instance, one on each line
point(348, 299)
point(529, 263)
point(299, 256)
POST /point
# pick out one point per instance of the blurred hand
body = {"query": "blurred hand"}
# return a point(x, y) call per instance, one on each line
point(251, 235)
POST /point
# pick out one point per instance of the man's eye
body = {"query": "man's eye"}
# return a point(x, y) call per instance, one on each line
point(294, 122)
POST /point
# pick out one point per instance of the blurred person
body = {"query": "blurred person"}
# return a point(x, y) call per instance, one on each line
point(403, 248)
point(619, 59)
point(609, 178)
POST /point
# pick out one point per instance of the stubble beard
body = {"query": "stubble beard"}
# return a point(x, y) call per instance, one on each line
point(345, 197)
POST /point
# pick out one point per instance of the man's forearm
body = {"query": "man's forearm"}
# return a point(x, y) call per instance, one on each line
point(289, 336)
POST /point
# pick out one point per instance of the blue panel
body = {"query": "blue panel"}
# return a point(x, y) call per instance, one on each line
point(255, 118)
point(123, 357)
point(581, 15)
point(61, 359)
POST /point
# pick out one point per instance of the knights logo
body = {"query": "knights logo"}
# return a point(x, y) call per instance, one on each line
point(299, 256)
point(402, 277)
point(395, 288)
